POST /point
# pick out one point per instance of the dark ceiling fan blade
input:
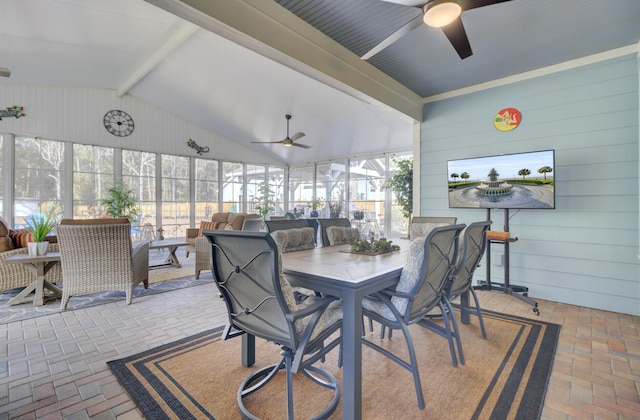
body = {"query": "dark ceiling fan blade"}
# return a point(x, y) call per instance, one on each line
point(304, 146)
point(270, 142)
point(297, 136)
point(4, 72)
point(458, 37)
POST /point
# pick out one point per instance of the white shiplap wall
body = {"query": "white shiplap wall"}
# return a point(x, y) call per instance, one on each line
point(584, 252)
point(75, 114)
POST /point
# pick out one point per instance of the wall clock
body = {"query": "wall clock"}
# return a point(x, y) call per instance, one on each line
point(118, 123)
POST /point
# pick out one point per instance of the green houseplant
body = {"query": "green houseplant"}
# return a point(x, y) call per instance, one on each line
point(120, 202)
point(263, 203)
point(39, 226)
point(315, 204)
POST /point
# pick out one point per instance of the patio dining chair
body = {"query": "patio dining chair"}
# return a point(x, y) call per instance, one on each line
point(473, 245)
point(260, 301)
point(419, 291)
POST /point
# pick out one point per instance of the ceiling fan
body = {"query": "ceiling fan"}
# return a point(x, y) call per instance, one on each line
point(5, 72)
point(443, 14)
point(288, 141)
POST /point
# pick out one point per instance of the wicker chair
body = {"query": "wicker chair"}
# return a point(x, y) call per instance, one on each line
point(97, 256)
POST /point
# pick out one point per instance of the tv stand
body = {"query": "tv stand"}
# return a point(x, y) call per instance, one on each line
point(520, 292)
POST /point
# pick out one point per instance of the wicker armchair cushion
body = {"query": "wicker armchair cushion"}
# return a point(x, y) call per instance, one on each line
point(339, 235)
point(294, 239)
point(6, 244)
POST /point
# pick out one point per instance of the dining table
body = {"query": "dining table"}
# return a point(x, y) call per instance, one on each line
point(351, 276)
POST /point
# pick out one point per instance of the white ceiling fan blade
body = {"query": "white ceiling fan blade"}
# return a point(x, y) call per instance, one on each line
point(414, 3)
point(408, 27)
point(5, 72)
point(297, 136)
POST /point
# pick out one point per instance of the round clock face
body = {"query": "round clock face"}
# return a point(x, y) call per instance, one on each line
point(118, 123)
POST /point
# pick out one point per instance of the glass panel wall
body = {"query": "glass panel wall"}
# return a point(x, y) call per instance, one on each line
point(92, 177)
point(256, 176)
point(139, 174)
point(330, 189)
point(399, 224)
point(2, 176)
point(301, 188)
point(207, 190)
point(39, 168)
point(277, 178)
point(232, 180)
point(366, 197)
point(176, 198)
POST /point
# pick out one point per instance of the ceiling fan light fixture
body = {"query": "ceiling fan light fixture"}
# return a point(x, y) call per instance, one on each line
point(441, 13)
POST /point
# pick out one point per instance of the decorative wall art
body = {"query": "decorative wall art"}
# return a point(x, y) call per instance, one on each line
point(199, 149)
point(507, 119)
point(12, 111)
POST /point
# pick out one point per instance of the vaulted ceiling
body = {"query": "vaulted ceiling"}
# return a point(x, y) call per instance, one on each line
point(237, 67)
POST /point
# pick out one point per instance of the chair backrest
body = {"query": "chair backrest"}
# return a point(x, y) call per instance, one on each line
point(421, 226)
point(247, 270)
point(339, 235)
point(106, 221)
point(323, 224)
point(252, 225)
point(429, 266)
point(297, 239)
point(91, 250)
point(470, 252)
point(274, 225)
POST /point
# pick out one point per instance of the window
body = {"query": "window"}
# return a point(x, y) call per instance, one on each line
point(301, 187)
point(39, 167)
point(256, 176)
point(207, 190)
point(232, 180)
point(139, 174)
point(276, 177)
point(366, 177)
point(330, 185)
point(92, 177)
point(176, 198)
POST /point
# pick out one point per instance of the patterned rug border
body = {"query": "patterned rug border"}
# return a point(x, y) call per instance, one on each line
point(528, 409)
point(26, 311)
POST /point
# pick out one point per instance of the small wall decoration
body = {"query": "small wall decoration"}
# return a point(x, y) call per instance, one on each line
point(507, 119)
point(12, 111)
point(199, 149)
point(118, 123)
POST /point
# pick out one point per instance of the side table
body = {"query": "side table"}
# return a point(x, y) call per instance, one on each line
point(39, 266)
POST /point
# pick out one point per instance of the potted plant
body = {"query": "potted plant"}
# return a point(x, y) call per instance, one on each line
point(120, 202)
point(315, 204)
point(263, 203)
point(39, 226)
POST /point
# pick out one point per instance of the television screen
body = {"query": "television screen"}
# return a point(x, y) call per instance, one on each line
point(514, 181)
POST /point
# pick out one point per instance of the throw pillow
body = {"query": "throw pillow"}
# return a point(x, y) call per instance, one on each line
point(6, 244)
point(206, 225)
point(20, 238)
point(339, 235)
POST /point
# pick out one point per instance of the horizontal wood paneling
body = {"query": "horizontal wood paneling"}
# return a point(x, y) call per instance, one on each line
point(76, 114)
point(585, 251)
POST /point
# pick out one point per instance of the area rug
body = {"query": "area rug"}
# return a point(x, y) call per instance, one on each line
point(505, 376)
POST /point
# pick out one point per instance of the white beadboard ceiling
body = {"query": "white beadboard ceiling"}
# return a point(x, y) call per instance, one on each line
point(237, 67)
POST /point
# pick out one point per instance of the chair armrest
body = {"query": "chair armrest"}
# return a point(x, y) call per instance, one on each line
point(140, 258)
point(192, 232)
point(318, 305)
point(203, 245)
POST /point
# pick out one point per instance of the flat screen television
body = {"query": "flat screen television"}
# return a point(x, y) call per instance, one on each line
point(513, 181)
